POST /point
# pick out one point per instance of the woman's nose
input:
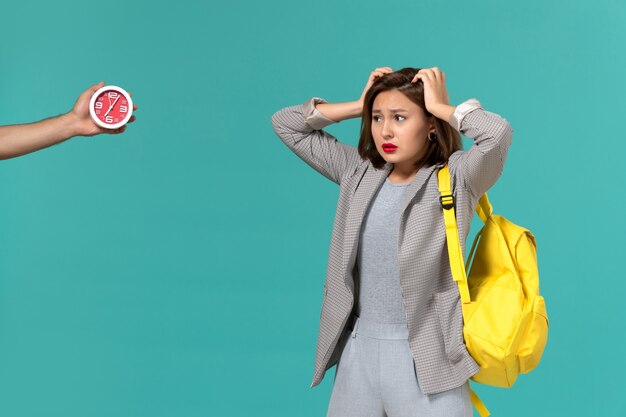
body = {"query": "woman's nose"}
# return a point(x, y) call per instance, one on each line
point(386, 130)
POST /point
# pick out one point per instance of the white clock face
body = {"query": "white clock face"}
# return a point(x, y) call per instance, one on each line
point(111, 107)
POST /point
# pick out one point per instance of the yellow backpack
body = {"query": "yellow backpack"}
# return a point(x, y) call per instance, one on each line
point(505, 323)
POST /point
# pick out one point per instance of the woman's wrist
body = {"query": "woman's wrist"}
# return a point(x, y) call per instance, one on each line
point(341, 111)
point(443, 111)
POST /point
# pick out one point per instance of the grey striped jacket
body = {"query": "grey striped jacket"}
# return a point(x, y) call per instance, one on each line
point(430, 295)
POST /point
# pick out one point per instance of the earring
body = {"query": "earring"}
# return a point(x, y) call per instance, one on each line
point(432, 136)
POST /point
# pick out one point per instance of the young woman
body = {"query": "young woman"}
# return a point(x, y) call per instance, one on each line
point(391, 316)
point(22, 139)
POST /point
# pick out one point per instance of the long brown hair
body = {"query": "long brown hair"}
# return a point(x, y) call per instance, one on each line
point(448, 140)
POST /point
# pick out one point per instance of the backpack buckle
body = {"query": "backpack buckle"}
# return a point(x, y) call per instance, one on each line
point(447, 201)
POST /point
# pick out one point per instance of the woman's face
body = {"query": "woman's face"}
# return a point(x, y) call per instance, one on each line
point(398, 121)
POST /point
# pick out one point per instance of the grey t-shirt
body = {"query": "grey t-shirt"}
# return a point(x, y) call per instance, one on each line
point(380, 294)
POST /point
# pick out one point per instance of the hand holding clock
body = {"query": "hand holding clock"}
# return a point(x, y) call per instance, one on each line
point(21, 139)
point(84, 123)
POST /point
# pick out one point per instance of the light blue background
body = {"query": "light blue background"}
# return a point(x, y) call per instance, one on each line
point(177, 269)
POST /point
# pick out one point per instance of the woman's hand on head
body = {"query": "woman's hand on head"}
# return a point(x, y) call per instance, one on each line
point(435, 92)
point(378, 72)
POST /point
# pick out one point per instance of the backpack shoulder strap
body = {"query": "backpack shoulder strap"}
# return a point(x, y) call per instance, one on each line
point(452, 234)
point(456, 259)
point(484, 208)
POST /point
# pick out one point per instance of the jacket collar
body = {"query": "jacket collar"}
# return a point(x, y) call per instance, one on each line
point(419, 180)
point(371, 180)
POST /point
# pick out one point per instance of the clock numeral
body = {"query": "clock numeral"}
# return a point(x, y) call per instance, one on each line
point(98, 105)
point(123, 109)
point(113, 95)
point(109, 119)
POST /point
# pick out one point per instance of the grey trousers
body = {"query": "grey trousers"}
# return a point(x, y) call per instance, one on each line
point(376, 377)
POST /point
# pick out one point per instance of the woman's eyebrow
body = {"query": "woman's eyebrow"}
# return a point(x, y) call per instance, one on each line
point(393, 110)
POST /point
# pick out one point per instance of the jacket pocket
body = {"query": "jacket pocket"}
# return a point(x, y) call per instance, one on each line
point(450, 316)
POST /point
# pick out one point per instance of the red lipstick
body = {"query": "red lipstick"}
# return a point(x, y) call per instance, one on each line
point(388, 147)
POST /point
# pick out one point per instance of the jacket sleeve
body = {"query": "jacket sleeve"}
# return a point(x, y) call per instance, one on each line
point(300, 128)
point(481, 165)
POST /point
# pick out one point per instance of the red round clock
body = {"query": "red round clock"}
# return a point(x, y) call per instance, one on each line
point(111, 107)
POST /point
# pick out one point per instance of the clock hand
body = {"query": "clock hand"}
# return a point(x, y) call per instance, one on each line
point(112, 105)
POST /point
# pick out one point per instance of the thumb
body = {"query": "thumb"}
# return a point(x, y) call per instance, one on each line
point(96, 87)
point(91, 90)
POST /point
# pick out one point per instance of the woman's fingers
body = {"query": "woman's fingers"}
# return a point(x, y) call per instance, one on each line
point(434, 74)
point(421, 76)
point(428, 72)
point(379, 72)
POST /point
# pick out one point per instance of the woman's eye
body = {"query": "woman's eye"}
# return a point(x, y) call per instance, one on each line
point(376, 118)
